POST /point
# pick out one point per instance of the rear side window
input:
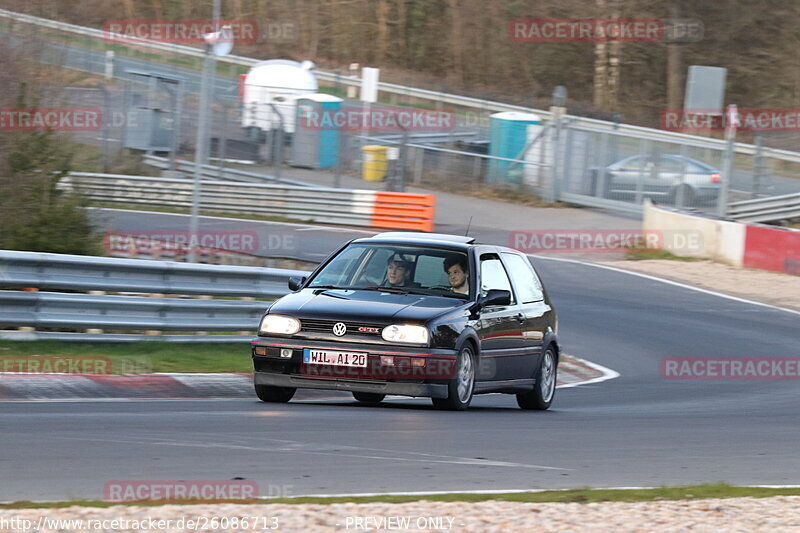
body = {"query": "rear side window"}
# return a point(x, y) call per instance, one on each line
point(529, 288)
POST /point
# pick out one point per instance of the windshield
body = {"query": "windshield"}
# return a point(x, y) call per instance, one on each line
point(397, 268)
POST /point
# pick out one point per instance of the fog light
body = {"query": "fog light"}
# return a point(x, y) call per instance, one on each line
point(417, 361)
point(286, 353)
point(261, 350)
point(387, 360)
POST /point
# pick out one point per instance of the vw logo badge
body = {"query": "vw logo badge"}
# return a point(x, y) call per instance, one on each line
point(339, 329)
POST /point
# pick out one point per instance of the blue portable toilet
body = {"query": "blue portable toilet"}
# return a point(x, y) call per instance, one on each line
point(509, 134)
point(315, 143)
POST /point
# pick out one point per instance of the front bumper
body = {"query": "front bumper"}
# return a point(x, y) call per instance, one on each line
point(399, 388)
point(278, 362)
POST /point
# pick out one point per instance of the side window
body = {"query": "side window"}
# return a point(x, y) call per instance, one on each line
point(493, 275)
point(528, 286)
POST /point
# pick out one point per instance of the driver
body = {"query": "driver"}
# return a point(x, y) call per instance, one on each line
point(398, 271)
point(455, 266)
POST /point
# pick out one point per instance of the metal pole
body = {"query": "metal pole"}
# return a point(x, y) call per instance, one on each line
point(727, 167)
point(758, 167)
point(732, 115)
point(337, 178)
point(201, 150)
point(679, 200)
point(223, 141)
point(176, 131)
point(557, 165)
point(277, 142)
point(106, 122)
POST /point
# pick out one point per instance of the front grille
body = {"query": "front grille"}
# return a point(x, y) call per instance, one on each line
point(326, 326)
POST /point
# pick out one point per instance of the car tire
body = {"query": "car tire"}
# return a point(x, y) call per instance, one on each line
point(462, 385)
point(369, 397)
point(270, 394)
point(544, 390)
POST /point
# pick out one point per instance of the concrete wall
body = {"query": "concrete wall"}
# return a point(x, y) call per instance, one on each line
point(692, 236)
point(732, 243)
point(772, 248)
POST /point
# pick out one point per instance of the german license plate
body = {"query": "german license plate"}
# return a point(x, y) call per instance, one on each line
point(330, 357)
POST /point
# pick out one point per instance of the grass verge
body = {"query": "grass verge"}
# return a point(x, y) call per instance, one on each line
point(639, 254)
point(690, 492)
point(139, 357)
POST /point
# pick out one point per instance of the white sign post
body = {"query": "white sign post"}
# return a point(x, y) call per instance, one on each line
point(369, 95)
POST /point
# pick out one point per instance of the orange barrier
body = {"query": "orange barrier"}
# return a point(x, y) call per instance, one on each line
point(400, 210)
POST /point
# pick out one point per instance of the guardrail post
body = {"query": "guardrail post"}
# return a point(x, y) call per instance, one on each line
point(732, 122)
point(645, 147)
point(759, 166)
point(94, 331)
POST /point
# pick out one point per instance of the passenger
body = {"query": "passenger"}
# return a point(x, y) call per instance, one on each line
point(455, 266)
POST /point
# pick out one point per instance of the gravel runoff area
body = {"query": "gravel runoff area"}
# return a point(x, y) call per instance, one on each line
point(775, 514)
point(772, 288)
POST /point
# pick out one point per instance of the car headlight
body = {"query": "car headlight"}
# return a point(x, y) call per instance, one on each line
point(285, 325)
point(409, 334)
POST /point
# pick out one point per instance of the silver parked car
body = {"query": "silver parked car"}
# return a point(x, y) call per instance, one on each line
point(665, 178)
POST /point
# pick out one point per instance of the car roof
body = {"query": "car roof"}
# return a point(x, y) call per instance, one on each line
point(457, 242)
point(418, 238)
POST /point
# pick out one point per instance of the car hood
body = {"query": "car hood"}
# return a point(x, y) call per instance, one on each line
point(366, 306)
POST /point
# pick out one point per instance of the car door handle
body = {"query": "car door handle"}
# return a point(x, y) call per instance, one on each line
point(520, 317)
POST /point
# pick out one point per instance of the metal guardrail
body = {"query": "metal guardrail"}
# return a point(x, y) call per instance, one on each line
point(73, 310)
point(221, 173)
point(317, 204)
point(62, 310)
point(89, 273)
point(601, 203)
point(769, 209)
point(400, 90)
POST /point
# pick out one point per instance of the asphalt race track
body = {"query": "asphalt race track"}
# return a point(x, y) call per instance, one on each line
point(636, 430)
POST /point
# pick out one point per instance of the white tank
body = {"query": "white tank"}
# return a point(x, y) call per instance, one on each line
point(279, 82)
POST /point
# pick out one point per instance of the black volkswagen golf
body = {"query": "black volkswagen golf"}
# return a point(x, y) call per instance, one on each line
point(412, 314)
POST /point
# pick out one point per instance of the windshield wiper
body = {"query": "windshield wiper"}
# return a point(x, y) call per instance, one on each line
point(393, 290)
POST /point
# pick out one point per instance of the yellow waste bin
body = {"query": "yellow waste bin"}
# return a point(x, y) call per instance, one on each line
point(376, 163)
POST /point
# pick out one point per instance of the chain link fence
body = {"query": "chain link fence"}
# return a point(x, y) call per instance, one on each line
point(145, 108)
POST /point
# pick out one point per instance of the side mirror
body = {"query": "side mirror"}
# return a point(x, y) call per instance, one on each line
point(295, 282)
point(494, 297)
